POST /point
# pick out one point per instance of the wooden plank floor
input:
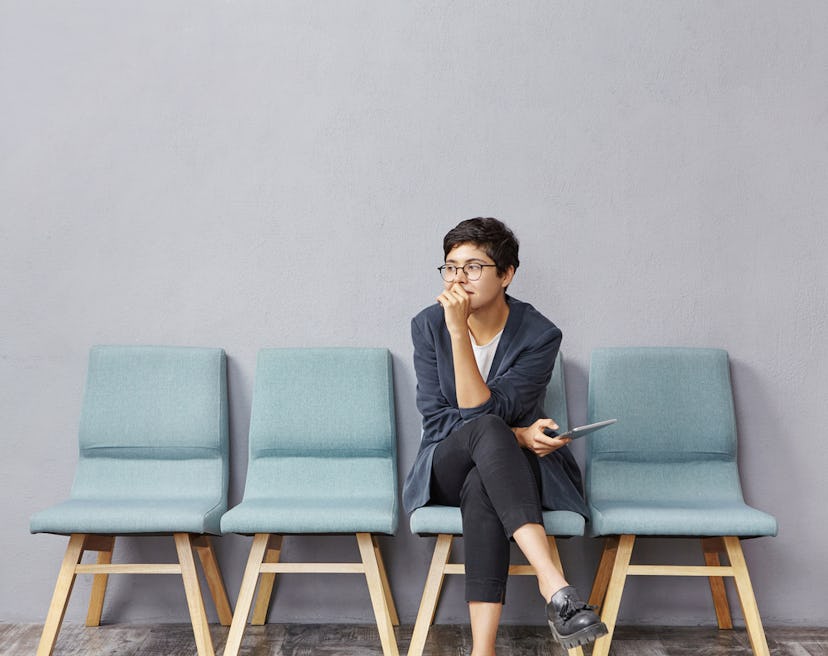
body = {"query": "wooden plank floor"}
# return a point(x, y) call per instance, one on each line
point(362, 640)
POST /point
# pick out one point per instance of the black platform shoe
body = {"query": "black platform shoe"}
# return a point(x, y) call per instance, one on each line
point(573, 622)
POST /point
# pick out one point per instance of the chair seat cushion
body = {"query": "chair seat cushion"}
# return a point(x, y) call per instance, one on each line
point(679, 518)
point(433, 520)
point(366, 515)
point(118, 517)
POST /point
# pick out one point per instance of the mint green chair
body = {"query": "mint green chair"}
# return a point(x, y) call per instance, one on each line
point(153, 460)
point(668, 469)
point(446, 523)
point(322, 460)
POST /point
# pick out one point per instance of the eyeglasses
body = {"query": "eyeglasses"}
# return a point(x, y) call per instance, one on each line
point(472, 270)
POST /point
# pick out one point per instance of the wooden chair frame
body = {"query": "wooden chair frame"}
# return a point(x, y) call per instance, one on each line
point(615, 567)
point(264, 563)
point(440, 566)
point(104, 545)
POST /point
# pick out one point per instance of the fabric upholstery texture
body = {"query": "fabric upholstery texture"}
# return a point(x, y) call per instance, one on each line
point(153, 444)
point(668, 467)
point(322, 449)
point(434, 520)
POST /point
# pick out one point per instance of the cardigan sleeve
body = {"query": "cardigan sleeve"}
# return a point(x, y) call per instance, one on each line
point(439, 416)
point(517, 391)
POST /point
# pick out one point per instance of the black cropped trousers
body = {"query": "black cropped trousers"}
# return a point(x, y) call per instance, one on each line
point(496, 483)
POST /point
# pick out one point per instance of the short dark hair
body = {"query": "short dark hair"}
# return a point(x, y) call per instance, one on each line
point(490, 235)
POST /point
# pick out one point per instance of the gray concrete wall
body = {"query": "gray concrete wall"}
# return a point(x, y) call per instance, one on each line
point(251, 174)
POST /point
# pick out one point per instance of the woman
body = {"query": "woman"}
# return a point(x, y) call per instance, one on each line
point(483, 360)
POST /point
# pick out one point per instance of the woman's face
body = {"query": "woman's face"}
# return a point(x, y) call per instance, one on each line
point(489, 287)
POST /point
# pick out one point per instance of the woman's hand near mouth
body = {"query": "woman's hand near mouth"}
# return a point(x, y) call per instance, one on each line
point(456, 306)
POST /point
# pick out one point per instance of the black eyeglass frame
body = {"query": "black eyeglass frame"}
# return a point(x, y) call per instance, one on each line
point(457, 269)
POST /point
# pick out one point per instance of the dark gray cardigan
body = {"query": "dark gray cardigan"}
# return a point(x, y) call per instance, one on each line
point(518, 378)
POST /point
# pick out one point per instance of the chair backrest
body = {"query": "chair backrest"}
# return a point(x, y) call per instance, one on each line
point(154, 424)
point(676, 431)
point(555, 402)
point(322, 424)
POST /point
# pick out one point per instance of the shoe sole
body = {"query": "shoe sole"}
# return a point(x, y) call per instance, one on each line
point(579, 638)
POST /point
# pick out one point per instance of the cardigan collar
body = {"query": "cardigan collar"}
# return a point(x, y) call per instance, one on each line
point(513, 321)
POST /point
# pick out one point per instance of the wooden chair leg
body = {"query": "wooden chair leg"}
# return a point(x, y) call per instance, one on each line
point(602, 576)
point(192, 589)
point(389, 598)
point(60, 596)
point(104, 547)
point(212, 573)
point(266, 582)
point(612, 599)
point(378, 594)
point(712, 547)
point(750, 610)
point(245, 598)
point(553, 550)
point(431, 594)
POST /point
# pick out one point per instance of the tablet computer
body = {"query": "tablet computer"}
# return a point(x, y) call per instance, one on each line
point(580, 431)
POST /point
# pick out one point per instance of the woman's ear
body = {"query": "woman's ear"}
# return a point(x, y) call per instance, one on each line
point(506, 280)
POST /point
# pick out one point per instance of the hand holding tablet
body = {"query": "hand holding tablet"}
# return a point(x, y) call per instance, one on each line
point(580, 431)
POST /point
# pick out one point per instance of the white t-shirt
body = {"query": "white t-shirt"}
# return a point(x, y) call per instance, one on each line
point(484, 355)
